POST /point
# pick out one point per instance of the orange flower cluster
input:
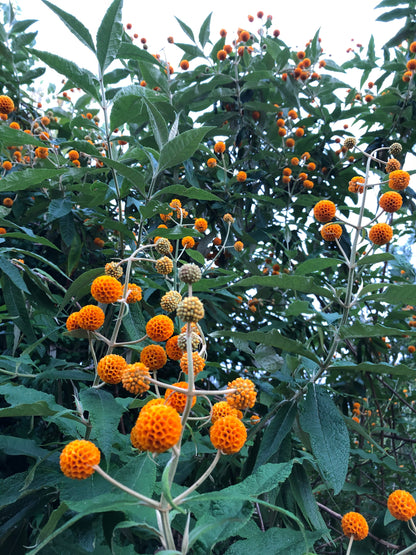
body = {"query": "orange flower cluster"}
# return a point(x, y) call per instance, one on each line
point(173, 351)
point(228, 434)
point(331, 232)
point(401, 505)
point(244, 397)
point(354, 524)
point(398, 180)
point(154, 357)
point(91, 317)
point(6, 104)
point(135, 293)
point(324, 211)
point(157, 429)
point(178, 400)
point(78, 458)
point(380, 234)
point(221, 409)
point(198, 363)
point(110, 368)
point(135, 378)
point(159, 328)
point(391, 201)
point(106, 289)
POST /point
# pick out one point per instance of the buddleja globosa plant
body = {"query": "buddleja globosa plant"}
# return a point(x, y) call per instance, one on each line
point(207, 320)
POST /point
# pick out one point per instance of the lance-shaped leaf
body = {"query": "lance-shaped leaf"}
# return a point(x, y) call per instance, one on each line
point(74, 25)
point(109, 35)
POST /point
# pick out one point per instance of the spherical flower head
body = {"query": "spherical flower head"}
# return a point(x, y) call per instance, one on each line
point(350, 143)
point(228, 219)
point(228, 434)
point(110, 368)
point(73, 155)
point(153, 357)
point(211, 162)
point(401, 505)
point(113, 269)
point(135, 378)
point(411, 64)
point(331, 232)
point(190, 309)
point(221, 55)
point(201, 225)
point(157, 429)
point(41, 152)
point(244, 36)
point(411, 349)
point(172, 349)
point(169, 302)
point(219, 147)
point(221, 409)
point(164, 265)
point(195, 341)
point(6, 104)
point(238, 246)
point(308, 184)
point(395, 149)
point(392, 165)
point(292, 114)
point(91, 317)
point(188, 242)
point(7, 165)
point(72, 322)
point(244, 397)
point(78, 459)
point(159, 328)
point(241, 176)
point(354, 524)
point(184, 65)
point(354, 185)
point(398, 180)
point(14, 125)
point(99, 242)
point(134, 293)
point(390, 201)
point(190, 273)
point(178, 400)
point(106, 289)
point(198, 363)
point(380, 234)
point(324, 211)
point(163, 245)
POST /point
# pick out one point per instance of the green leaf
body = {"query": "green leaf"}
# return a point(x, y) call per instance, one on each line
point(181, 147)
point(298, 307)
point(80, 77)
point(294, 282)
point(131, 51)
point(357, 329)
point(73, 24)
point(27, 401)
point(398, 13)
point(160, 129)
point(187, 30)
point(32, 239)
point(196, 255)
point(17, 137)
point(17, 308)
point(205, 31)
point(188, 192)
point(378, 368)
point(390, 3)
point(105, 414)
point(375, 258)
point(190, 50)
point(19, 181)
point(398, 294)
point(15, 446)
point(109, 35)
point(328, 434)
point(276, 541)
point(58, 208)
point(13, 273)
point(81, 286)
point(274, 339)
point(275, 432)
point(317, 264)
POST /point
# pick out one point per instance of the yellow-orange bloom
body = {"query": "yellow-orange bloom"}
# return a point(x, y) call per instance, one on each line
point(178, 400)
point(106, 289)
point(228, 434)
point(91, 317)
point(354, 524)
point(401, 505)
point(157, 429)
point(324, 211)
point(153, 356)
point(380, 234)
point(159, 328)
point(78, 458)
point(110, 368)
point(398, 180)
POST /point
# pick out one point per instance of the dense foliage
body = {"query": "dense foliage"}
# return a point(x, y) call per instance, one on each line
point(225, 160)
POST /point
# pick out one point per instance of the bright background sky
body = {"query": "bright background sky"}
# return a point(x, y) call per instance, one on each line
point(297, 21)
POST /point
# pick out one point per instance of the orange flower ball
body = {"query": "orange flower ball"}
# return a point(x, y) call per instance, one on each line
point(72, 322)
point(198, 363)
point(110, 368)
point(159, 328)
point(201, 225)
point(135, 378)
point(154, 357)
point(78, 458)
point(135, 293)
point(188, 242)
point(354, 524)
point(157, 429)
point(380, 234)
point(106, 289)
point(241, 176)
point(184, 65)
point(219, 147)
point(401, 505)
point(228, 434)
point(398, 180)
point(91, 317)
point(178, 400)
point(244, 397)
point(6, 104)
point(172, 349)
point(221, 409)
point(391, 201)
point(330, 232)
point(324, 211)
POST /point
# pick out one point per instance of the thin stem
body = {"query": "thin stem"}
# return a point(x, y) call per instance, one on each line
point(145, 500)
point(350, 544)
point(409, 549)
point(182, 497)
point(166, 531)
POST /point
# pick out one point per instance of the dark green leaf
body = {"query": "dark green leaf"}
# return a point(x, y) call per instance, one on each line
point(328, 434)
point(190, 50)
point(26, 401)
point(205, 31)
point(197, 256)
point(16, 306)
point(73, 24)
point(160, 129)
point(17, 137)
point(317, 264)
point(378, 368)
point(80, 77)
point(109, 35)
point(188, 192)
point(275, 541)
point(187, 30)
point(58, 208)
point(357, 329)
point(81, 286)
point(275, 432)
point(398, 13)
point(13, 273)
point(19, 181)
point(375, 258)
point(181, 147)
point(294, 282)
point(31, 239)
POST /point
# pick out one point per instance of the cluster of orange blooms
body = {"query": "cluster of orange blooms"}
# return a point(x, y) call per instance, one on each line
point(411, 65)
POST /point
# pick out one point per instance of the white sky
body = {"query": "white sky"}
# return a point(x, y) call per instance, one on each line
point(297, 21)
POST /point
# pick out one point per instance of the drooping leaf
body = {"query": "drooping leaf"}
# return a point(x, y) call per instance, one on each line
point(181, 147)
point(295, 282)
point(19, 181)
point(109, 35)
point(26, 401)
point(205, 31)
point(81, 286)
point(9, 136)
point(317, 264)
point(188, 192)
point(377, 368)
point(276, 541)
point(357, 329)
point(17, 308)
point(328, 435)
point(186, 29)
point(74, 25)
point(13, 273)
